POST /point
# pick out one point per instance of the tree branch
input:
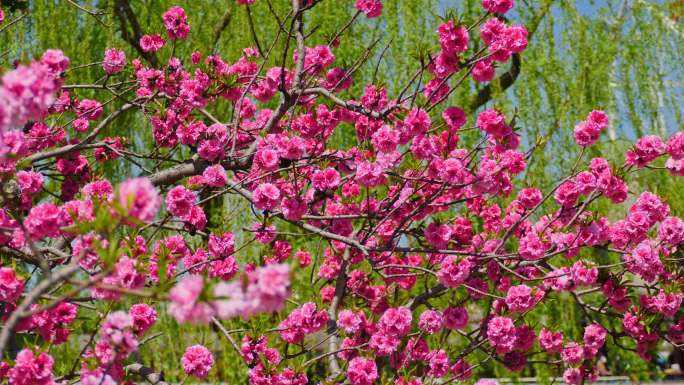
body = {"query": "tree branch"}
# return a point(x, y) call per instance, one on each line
point(147, 373)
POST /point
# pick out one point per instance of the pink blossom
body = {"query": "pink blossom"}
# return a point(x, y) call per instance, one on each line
point(583, 275)
point(369, 174)
point(443, 65)
point(453, 39)
point(116, 331)
point(293, 208)
point(371, 8)
point(374, 98)
point(531, 248)
point(44, 220)
point(221, 245)
point(184, 306)
point(28, 90)
point(126, 273)
point(266, 289)
point(151, 43)
point(529, 197)
point(224, 268)
point(649, 203)
point(455, 318)
point(337, 79)
point(436, 90)
point(573, 376)
point(11, 286)
point(385, 139)
point(498, 6)
point(395, 322)
point(501, 334)
point(522, 298)
point(516, 38)
point(144, 316)
point(483, 71)
point(492, 122)
point(486, 381)
point(56, 61)
point(30, 182)
point(328, 179)
point(550, 341)
point(266, 196)
point(646, 150)
point(438, 235)
point(383, 345)
point(362, 371)
point(302, 321)
point(675, 146)
point(594, 336)
point(417, 122)
point(215, 176)
point(89, 109)
point(645, 261)
point(438, 363)
point(431, 321)
point(572, 353)
point(100, 189)
point(139, 199)
point(491, 30)
point(197, 361)
point(267, 159)
point(676, 167)
point(454, 117)
point(30, 368)
point(179, 201)
point(567, 193)
point(114, 61)
point(667, 303)
point(176, 23)
point(454, 271)
point(349, 321)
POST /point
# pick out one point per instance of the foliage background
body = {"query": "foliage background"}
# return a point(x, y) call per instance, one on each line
point(620, 56)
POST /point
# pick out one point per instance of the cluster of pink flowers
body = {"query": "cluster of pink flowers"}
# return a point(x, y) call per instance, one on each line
point(371, 8)
point(362, 371)
point(498, 6)
point(501, 334)
point(185, 305)
point(51, 324)
point(11, 286)
point(28, 91)
point(266, 289)
point(181, 202)
point(454, 271)
point(302, 321)
point(197, 361)
point(32, 368)
point(144, 317)
point(522, 298)
point(139, 199)
point(176, 23)
point(114, 61)
point(589, 131)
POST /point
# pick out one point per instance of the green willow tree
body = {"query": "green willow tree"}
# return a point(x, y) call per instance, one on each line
point(620, 56)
